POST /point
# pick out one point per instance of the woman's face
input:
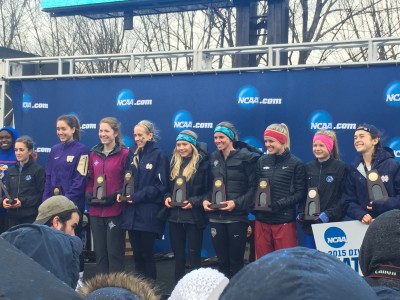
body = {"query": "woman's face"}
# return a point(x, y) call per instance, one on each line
point(363, 141)
point(273, 146)
point(320, 151)
point(5, 140)
point(141, 136)
point(184, 149)
point(21, 152)
point(106, 134)
point(64, 132)
point(222, 141)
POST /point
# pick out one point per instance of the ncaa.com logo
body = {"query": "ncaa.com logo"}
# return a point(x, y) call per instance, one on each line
point(183, 120)
point(321, 119)
point(126, 99)
point(27, 103)
point(88, 126)
point(394, 143)
point(248, 97)
point(392, 94)
point(43, 150)
point(335, 237)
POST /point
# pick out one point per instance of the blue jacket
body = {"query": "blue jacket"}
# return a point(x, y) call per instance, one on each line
point(151, 184)
point(67, 167)
point(56, 251)
point(355, 194)
point(7, 159)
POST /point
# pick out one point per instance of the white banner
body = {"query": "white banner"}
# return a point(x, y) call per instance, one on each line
point(341, 239)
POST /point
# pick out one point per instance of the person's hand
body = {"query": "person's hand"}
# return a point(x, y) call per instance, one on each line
point(230, 205)
point(206, 205)
point(300, 217)
point(367, 219)
point(17, 204)
point(369, 206)
point(188, 205)
point(167, 202)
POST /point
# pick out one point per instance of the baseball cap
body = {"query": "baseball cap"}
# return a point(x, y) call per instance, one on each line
point(53, 206)
point(369, 128)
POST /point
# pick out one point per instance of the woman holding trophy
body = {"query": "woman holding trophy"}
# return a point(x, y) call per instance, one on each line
point(232, 196)
point(105, 178)
point(190, 179)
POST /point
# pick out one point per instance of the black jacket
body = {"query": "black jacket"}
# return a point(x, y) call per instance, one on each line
point(286, 174)
point(329, 178)
point(196, 190)
point(238, 173)
point(27, 186)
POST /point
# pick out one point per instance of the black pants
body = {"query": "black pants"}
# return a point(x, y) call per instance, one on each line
point(12, 221)
point(229, 240)
point(109, 243)
point(3, 223)
point(142, 243)
point(178, 234)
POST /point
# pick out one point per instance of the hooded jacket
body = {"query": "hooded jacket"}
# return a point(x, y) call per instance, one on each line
point(151, 184)
point(355, 194)
point(286, 174)
point(67, 168)
point(27, 185)
point(380, 247)
point(7, 158)
point(112, 166)
point(239, 176)
point(196, 190)
point(329, 178)
point(56, 251)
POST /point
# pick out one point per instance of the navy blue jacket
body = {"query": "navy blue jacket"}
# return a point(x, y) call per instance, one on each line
point(355, 194)
point(151, 184)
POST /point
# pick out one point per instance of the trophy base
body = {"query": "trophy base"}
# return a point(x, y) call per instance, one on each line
point(125, 198)
point(263, 208)
point(11, 202)
point(217, 206)
point(96, 201)
point(177, 204)
point(310, 218)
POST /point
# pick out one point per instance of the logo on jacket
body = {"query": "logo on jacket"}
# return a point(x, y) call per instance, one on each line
point(385, 178)
point(70, 158)
point(213, 232)
point(335, 237)
point(3, 168)
point(96, 162)
point(266, 168)
point(149, 166)
point(28, 177)
point(216, 162)
point(329, 178)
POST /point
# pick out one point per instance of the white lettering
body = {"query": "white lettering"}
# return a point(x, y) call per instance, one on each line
point(40, 105)
point(203, 125)
point(337, 239)
point(271, 101)
point(396, 153)
point(88, 126)
point(43, 150)
point(26, 104)
point(248, 100)
point(392, 97)
point(144, 102)
point(123, 102)
point(321, 126)
point(346, 126)
point(183, 124)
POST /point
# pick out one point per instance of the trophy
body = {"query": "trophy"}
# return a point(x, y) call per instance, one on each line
point(263, 196)
point(10, 200)
point(128, 187)
point(376, 188)
point(99, 190)
point(57, 191)
point(179, 193)
point(313, 204)
point(218, 193)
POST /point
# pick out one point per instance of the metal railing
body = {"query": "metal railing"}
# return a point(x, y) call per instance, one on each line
point(204, 60)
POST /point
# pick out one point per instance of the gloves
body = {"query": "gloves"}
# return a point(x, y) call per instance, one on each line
point(323, 218)
point(300, 218)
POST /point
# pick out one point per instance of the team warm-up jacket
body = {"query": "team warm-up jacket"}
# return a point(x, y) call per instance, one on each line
point(239, 176)
point(196, 190)
point(151, 184)
point(67, 167)
point(328, 177)
point(355, 194)
point(286, 174)
point(27, 185)
point(112, 166)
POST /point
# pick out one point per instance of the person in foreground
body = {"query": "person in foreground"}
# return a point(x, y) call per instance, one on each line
point(297, 273)
point(51, 240)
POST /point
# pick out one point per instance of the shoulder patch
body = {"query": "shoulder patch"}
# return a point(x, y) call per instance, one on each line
point(83, 165)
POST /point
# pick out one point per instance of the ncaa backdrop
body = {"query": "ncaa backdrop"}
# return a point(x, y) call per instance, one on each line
point(306, 100)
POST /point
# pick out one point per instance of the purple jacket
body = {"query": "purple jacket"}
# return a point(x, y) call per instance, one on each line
point(112, 166)
point(67, 168)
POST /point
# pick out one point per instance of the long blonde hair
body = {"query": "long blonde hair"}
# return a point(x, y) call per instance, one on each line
point(282, 128)
point(176, 161)
point(330, 133)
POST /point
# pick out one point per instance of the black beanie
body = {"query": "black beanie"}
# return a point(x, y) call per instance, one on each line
point(381, 247)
